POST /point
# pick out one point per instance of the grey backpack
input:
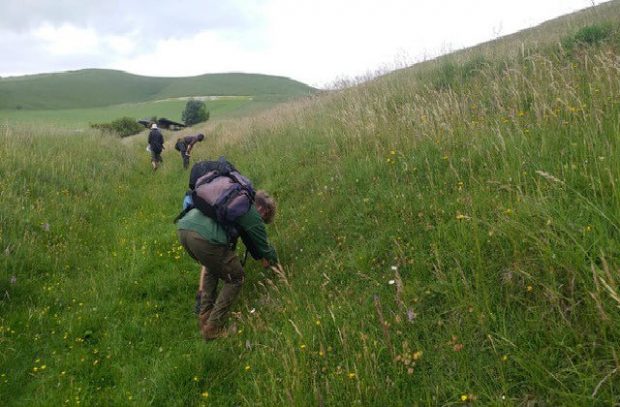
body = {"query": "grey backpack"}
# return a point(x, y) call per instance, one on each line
point(223, 197)
point(219, 191)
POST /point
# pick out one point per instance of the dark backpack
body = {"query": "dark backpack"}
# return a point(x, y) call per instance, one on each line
point(219, 191)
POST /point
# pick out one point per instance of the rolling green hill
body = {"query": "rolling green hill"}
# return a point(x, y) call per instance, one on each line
point(99, 87)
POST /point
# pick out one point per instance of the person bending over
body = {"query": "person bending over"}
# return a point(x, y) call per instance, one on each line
point(212, 245)
point(185, 145)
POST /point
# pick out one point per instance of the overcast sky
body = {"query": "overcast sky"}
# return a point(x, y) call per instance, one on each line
point(314, 41)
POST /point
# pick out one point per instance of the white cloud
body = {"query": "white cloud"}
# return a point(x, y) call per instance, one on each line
point(121, 44)
point(67, 39)
point(314, 41)
point(201, 53)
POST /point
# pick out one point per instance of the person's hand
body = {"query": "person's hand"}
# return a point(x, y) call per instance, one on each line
point(277, 269)
point(265, 263)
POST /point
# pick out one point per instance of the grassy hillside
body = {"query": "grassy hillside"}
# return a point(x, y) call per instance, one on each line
point(536, 40)
point(449, 236)
point(98, 87)
point(81, 118)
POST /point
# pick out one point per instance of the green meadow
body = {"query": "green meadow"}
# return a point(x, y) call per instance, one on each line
point(59, 100)
point(81, 118)
point(449, 235)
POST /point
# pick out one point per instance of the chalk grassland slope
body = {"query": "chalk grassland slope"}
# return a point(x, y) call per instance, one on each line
point(98, 87)
point(448, 241)
point(551, 32)
point(81, 118)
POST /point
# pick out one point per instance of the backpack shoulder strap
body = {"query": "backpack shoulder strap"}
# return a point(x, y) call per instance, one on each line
point(183, 213)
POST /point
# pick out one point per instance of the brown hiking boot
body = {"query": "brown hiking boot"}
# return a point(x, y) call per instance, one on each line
point(211, 331)
point(203, 318)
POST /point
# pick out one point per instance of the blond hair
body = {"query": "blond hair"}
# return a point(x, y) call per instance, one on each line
point(266, 205)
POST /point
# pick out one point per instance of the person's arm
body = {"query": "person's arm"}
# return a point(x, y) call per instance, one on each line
point(254, 235)
point(190, 146)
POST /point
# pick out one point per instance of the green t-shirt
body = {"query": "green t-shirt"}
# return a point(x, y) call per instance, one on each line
point(250, 224)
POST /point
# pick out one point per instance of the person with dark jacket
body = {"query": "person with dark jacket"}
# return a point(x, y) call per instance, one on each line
point(185, 145)
point(156, 146)
point(209, 243)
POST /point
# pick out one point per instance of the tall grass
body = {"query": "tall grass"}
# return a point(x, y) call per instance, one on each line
point(444, 243)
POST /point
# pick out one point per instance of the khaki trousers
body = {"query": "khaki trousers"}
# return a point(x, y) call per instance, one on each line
point(222, 264)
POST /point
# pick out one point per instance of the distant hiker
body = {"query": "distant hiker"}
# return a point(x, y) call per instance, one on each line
point(211, 240)
point(156, 146)
point(185, 145)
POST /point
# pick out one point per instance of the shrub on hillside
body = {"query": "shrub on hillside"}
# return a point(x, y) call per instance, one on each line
point(450, 74)
point(195, 112)
point(123, 127)
point(589, 35)
point(593, 34)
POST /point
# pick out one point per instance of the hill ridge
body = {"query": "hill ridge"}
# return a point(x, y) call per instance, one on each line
point(72, 89)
